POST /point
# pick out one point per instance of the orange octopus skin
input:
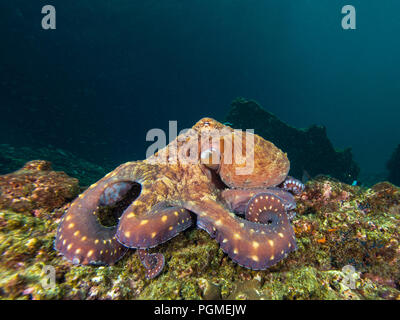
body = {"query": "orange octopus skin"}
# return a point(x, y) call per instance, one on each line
point(176, 194)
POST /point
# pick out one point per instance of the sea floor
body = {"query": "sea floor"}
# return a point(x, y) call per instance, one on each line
point(347, 236)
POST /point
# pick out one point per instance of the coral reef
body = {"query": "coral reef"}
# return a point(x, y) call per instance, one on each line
point(36, 187)
point(12, 158)
point(308, 149)
point(393, 165)
point(337, 227)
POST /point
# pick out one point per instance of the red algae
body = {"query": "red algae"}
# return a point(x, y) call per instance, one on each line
point(36, 186)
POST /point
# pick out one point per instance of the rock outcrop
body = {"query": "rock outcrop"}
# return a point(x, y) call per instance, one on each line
point(393, 165)
point(36, 187)
point(309, 150)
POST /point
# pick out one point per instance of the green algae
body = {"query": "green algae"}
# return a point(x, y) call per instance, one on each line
point(362, 231)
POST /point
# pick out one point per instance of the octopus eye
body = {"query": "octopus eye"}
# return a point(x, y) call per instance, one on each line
point(211, 158)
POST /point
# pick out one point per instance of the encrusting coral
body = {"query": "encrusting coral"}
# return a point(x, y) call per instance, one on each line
point(36, 187)
point(336, 226)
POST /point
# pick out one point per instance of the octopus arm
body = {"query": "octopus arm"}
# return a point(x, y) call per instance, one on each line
point(153, 262)
point(237, 199)
point(80, 236)
point(293, 185)
point(151, 229)
point(250, 244)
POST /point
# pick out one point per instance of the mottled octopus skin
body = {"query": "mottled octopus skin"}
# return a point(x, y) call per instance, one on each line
point(154, 262)
point(171, 192)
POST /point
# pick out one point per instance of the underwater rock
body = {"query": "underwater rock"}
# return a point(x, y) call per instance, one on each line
point(308, 149)
point(337, 225)
point(210, 291)
point(348, 225)
point(247, 290)
point(12, 158)
point(36, 187)
point(393, 165)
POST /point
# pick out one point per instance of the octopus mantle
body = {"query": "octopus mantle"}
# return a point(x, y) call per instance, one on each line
point(163, 195)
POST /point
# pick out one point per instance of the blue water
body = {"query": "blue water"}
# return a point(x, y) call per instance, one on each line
point(112, 70)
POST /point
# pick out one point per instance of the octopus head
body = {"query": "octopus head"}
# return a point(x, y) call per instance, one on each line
point(242, 159)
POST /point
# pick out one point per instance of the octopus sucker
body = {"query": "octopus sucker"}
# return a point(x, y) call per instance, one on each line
point(293, 185)
point(200, 177)
point(238, 199)
point(266, 208)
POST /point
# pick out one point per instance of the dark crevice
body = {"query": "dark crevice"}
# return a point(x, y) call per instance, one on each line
point(215, 178)
point(108, 215)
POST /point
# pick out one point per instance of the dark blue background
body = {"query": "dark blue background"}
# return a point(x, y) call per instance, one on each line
point(112, 70)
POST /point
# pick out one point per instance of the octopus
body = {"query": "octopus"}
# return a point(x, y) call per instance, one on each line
point(232, 184)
